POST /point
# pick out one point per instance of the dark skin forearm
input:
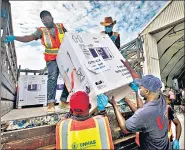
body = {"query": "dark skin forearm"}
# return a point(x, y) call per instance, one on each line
point(133, 73)
point(120, 118)
point(131, 105)
point(27, 38)
point(117, 42)
point(139, 101)
point(178, 128)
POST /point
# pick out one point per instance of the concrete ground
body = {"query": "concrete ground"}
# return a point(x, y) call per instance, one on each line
point(182, 142)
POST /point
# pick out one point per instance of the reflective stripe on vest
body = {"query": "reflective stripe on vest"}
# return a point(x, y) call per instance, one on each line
point(64, 134)
point(47, 39)
point(60, 32)
point(102, 129)
point(89, 138)
point(52, 44)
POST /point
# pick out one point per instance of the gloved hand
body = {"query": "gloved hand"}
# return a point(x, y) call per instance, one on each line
point(113, 38)
point(134, 86)
point(9, 38)
point(176, 145)
point(102, 101)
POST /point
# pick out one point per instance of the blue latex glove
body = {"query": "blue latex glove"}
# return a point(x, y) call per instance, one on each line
point(113, 38)
point(102, 101)
point(176, 145)
point(134, 86)
point(9, 38)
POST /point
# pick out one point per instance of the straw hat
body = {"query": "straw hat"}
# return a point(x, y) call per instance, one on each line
point(108, 21)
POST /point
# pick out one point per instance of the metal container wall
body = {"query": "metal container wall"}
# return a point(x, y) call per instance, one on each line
point(173, 12)
point(151, 64)
point(8, 61)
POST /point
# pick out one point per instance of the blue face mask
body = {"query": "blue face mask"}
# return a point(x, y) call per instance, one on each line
point(108, 29)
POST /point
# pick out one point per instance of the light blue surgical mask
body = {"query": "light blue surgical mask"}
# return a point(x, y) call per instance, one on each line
point(108, 29)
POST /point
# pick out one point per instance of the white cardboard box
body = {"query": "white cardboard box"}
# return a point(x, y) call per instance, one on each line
point(32, 90)
point(94, 61)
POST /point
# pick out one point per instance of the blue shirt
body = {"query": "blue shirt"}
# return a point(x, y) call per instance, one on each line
point(152, 122)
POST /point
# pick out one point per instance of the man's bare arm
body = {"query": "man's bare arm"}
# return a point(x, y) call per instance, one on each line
point(139, 101)
point(120, 118)
point(178, 128)
point(27, 38)
point(131, 105)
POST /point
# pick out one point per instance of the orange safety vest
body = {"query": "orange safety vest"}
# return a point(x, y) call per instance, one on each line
point(93, 133)
point(170, 133)
point(116, 34)
point(52, 44)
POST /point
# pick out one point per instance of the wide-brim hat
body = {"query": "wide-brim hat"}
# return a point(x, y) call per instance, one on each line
point(108, 21)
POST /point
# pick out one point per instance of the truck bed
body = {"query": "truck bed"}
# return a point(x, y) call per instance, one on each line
point(28, 113)
point(33, 128)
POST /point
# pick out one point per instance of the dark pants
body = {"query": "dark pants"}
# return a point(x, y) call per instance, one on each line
point(172, 103)
point(53, 73)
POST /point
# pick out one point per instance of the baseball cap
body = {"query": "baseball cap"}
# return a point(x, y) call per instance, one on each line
point(150, 82)
point(79, 102)
point(44, 13)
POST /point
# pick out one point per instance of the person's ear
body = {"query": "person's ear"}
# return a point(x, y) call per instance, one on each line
point(147, 92)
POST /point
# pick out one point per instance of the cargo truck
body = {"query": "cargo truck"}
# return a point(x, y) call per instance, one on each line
point(158, 50)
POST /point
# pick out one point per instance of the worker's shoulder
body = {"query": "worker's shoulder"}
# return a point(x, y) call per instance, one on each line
point(102, 32)
point(63, 119)
point(141, 110)
point(145, 111)
point(60, 24)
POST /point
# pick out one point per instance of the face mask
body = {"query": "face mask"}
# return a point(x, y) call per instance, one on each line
point(140, 95)
point(49, 24)
point(108, 29)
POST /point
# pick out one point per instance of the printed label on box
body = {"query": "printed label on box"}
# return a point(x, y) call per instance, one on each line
point(100, 84)
point(97, 65)
point(85, 51)
point(80, 74)
point(101, 51)
point(87, 88)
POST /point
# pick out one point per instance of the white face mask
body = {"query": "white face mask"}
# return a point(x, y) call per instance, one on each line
point(140, 95)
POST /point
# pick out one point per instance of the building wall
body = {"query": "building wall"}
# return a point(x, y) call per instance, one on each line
point(172, 13)
point(151, 64)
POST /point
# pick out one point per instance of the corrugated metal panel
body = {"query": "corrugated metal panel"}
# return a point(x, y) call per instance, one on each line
point(8, 62)
point(151, 64)
point(170, 14)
